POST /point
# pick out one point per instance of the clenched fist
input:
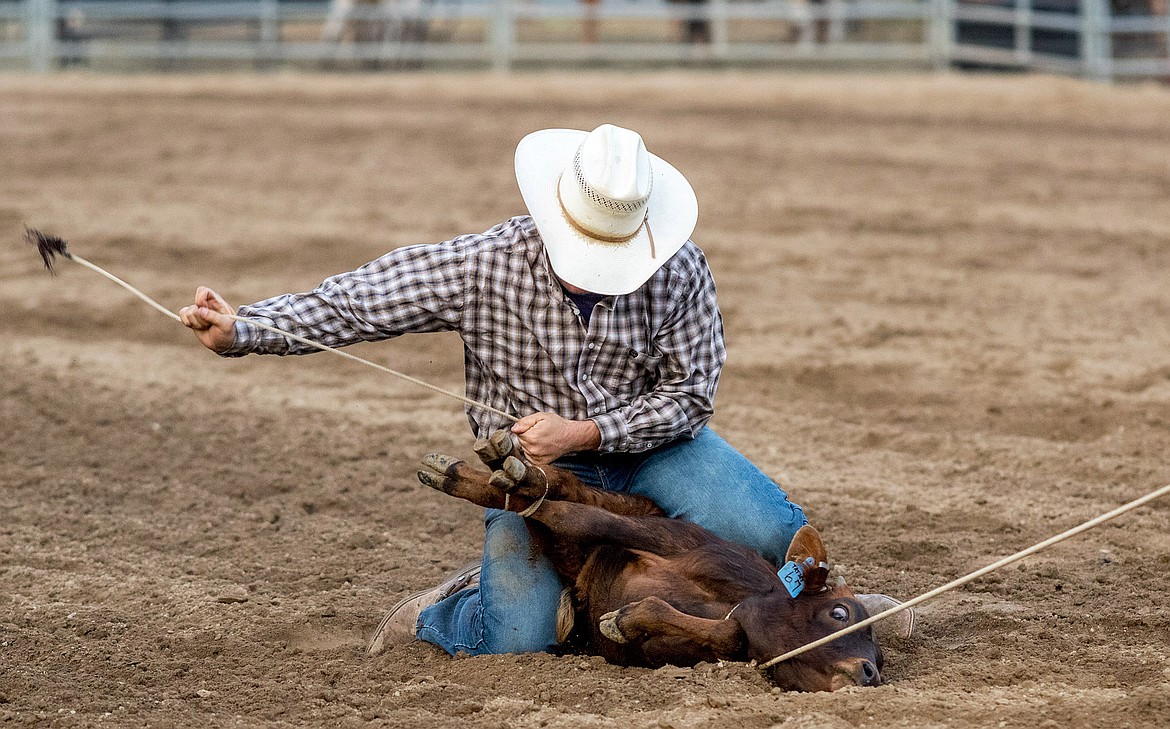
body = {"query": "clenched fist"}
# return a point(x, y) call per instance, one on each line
point(206, 318)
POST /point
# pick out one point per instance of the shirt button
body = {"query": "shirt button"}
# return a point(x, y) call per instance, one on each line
point(592, 345)
point(585, 377)
point(609, 449)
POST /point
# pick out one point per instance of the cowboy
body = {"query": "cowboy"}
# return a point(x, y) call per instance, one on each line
point(593, 320)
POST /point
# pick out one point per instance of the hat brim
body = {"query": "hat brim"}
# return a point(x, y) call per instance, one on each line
point(588, 263)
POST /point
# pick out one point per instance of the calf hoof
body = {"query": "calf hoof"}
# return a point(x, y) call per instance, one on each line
point(517, 477)
point(435, 471)
point(609, 627)
point(510, 475)
point(496, 447)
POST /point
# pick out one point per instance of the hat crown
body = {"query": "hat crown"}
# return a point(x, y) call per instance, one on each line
point(609, 212)
point(614, 163)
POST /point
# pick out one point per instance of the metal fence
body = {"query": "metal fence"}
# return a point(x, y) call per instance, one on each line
point(1093, 38)
point(1087, 37)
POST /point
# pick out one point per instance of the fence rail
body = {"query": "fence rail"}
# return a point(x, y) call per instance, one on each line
point(1068, 36)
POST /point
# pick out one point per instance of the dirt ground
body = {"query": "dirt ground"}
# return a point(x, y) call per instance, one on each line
point(947, 308)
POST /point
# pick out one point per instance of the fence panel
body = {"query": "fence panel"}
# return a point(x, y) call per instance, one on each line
point(1083, 37)
point(1068, 36)
point(496, 32)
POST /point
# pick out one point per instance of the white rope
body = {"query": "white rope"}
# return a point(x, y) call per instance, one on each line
point(375, 365)
point(1097, 521)
point(323, 347)
point(536, 504)
point(123, 284)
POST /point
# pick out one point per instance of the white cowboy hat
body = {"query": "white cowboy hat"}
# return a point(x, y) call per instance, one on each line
point(609, 212)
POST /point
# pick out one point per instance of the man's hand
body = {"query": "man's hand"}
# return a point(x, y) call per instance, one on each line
point(206, 318)
point(546, 437)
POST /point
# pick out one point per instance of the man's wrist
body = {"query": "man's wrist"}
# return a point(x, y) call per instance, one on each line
point(589, 436)
point(243, 341)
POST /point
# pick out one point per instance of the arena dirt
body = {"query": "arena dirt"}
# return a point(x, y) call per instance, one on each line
point(947, 308)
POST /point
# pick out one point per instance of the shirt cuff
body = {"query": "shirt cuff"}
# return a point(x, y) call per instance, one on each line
point(614, 431)
point(247, 340)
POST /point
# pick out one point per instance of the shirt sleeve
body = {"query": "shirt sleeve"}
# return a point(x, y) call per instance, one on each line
point(693, 352)
point(412, 289)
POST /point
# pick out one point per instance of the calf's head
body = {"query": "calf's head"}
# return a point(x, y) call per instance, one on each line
point(774, 623)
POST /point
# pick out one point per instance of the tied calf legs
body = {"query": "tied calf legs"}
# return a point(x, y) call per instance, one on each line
point(525, 483)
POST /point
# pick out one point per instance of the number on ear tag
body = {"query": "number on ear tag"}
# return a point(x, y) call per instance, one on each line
point(793, 578)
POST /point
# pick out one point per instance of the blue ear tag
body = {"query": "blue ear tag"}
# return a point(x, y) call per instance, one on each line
point(793, 578)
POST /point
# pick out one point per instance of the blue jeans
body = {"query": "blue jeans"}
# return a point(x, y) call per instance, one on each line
point(705, 481)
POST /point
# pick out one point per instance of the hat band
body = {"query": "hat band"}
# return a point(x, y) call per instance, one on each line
point(607, 238)
point(587, 231)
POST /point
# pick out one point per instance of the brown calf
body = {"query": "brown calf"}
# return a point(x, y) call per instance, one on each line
point(648, 590)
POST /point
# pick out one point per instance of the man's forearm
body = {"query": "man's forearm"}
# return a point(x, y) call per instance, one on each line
point(587, 435)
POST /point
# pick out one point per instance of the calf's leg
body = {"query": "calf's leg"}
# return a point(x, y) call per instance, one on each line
point(569, 522)
point(586, 523)
point(666, 632)
point(501, 452)
point(457, 478)
point(525, 484)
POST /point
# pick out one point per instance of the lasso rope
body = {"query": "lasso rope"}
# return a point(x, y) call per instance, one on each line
point(50, 246)
point(1096, 521)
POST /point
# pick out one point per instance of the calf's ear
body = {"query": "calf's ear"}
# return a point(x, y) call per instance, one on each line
point(808, 551)
point(806, 543)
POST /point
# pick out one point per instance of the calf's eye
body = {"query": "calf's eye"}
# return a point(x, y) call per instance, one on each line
point(839, 613)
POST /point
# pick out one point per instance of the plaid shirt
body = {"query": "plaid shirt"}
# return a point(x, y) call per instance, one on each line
point(645, 369)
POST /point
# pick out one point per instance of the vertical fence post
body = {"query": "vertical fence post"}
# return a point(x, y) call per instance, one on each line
point(836, 32)
point(503, 34)
point(1166, 42)
point(270, 21)
point(40, 33)
point(269, 31)
point(1087, 40)
point(1023, 32)
point(1096, 44)
point(1096, 40)
point(803, 15)
point(719, 35)
point(942, 33)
